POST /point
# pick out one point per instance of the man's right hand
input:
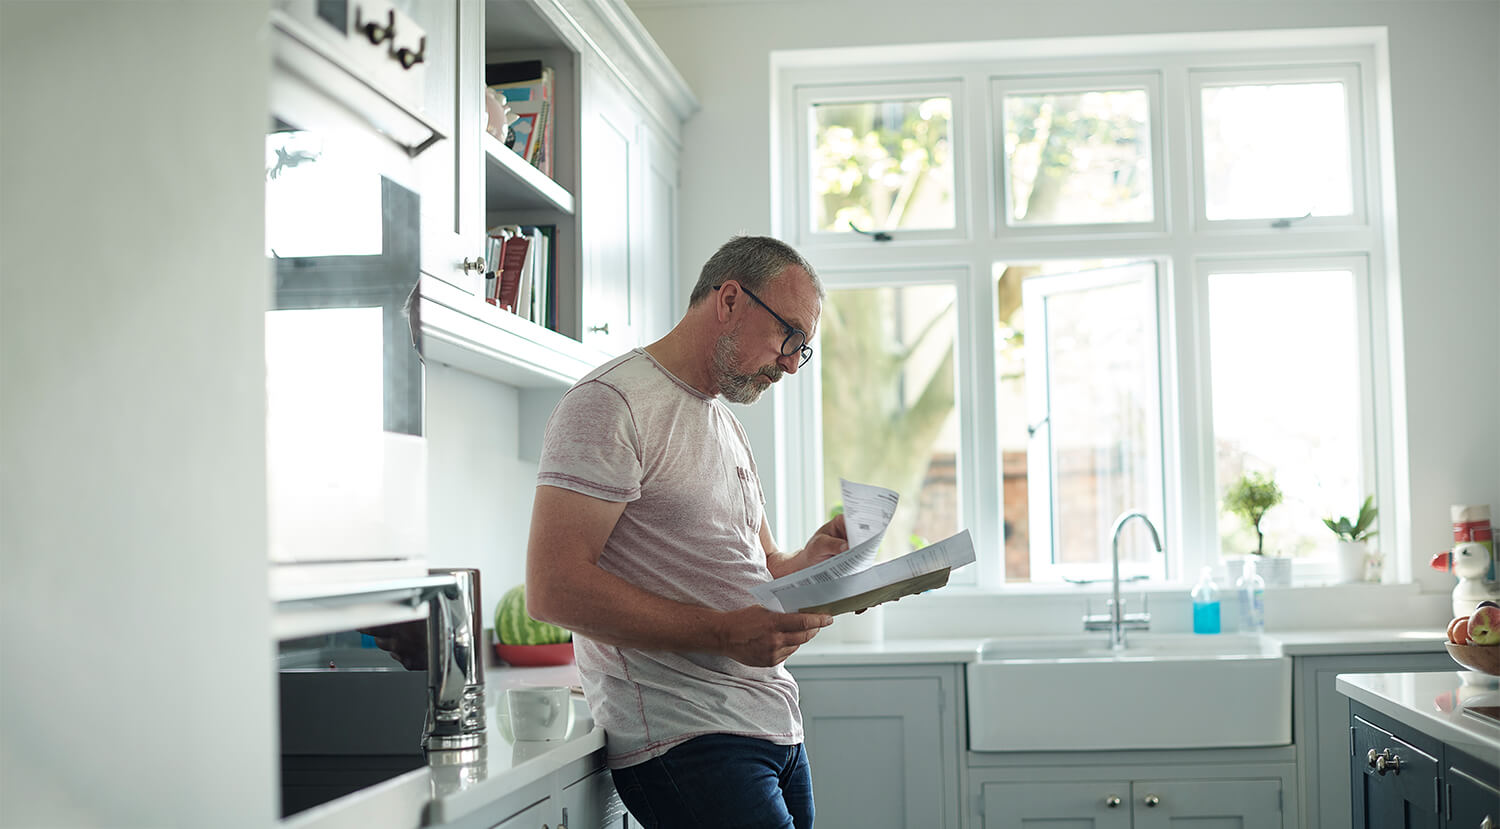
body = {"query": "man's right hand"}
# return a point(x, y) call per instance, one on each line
point(761, 638)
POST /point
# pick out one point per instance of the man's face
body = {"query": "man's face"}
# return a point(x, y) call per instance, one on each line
point(748, 359)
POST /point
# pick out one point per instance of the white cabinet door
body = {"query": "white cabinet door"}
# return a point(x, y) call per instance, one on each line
point(880, 750)
point(592, 803)
point(1091, 804)
point(1247, 804)
point(452, 171)
point(538, 816)
point(609, 209)
point(663, 298)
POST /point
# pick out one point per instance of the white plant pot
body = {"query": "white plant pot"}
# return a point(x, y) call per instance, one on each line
point(1276, 571)
point(1352, 559)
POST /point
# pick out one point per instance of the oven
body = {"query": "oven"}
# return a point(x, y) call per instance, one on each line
point(346, 457)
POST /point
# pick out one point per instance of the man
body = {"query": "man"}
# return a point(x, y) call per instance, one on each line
point(649, 530)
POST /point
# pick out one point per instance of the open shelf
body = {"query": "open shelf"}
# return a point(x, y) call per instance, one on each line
point(510, 182)
point(463, 331)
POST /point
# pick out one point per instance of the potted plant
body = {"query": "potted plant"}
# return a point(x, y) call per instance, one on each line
point(1251, 497)
point(1352, 535)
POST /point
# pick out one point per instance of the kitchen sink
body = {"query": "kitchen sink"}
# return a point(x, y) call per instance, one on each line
point(1163, 691)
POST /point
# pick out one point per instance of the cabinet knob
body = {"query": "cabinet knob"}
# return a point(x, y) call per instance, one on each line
point(1113, 801)
point(475, 265)
point(599, 329)
point(1387, 762)
point(1487, 823)
point(1370, 758)
point(1151, 801)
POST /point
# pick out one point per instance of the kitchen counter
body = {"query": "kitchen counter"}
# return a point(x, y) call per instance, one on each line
point(1437, 703)
point(1292, 643)
point(458, 783)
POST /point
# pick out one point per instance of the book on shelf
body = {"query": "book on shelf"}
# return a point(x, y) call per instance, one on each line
point(511, 246)
point(526, 87)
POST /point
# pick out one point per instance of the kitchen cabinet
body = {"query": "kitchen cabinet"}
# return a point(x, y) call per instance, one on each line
point(1127, 804)
point(617, 114)
point(883, 744)
point(1402, 778)
point(593, 803)
point(1320, 726)
point(579, 795)
point(450, 170)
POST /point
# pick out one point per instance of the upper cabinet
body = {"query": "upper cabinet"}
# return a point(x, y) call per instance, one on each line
point(607, 208)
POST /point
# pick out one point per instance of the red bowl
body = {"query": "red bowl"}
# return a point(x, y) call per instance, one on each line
point(530, 656)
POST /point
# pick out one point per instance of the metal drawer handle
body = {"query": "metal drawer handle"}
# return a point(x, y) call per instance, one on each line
point(1113, 801)
point(1152, 801)
point(599, 329)
point(1387, 762)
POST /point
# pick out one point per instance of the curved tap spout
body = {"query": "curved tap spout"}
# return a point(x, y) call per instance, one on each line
point(1117, 609)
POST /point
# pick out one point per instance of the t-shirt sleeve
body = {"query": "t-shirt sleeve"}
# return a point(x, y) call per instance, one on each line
point(591, 445)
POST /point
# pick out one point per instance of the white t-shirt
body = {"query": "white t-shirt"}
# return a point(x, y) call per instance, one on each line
point(631, 432)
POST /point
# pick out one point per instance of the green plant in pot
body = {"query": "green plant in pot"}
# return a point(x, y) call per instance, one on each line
point(1250, 497)
point(1352, 535)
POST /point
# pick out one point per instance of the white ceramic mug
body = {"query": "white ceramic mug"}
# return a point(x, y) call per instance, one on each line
point(540, 713)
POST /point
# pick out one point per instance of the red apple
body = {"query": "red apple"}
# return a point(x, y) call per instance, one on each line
point(1484, 626)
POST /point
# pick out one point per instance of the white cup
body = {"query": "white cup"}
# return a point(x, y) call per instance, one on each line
point(539, 713)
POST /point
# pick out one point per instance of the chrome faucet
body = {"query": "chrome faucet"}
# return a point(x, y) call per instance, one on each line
point(1117, 621)
point(455, 666)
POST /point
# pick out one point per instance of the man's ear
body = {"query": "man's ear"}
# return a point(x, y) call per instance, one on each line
point(726, 300)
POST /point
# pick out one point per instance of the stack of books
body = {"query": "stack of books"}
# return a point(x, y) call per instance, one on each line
point(526, 87)
point(523, 281)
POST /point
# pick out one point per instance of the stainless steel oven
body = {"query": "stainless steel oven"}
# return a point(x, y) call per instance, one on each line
point(346, 457)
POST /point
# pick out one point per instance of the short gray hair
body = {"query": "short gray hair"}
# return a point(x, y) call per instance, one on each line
point(753, 261)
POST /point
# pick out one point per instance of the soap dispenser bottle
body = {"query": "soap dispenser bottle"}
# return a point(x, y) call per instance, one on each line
point(1252, 595)
point(1206, 616)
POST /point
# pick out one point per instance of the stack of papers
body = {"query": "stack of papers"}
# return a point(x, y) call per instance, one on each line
point(851, 581)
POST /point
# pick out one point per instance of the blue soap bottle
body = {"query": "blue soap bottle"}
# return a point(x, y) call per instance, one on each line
point(1206, 604)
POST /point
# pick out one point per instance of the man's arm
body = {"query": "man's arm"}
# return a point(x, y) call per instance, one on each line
point(828, 541)
point(566, 586)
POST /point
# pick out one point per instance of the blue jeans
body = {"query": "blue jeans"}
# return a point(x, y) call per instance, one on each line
point(719, 781)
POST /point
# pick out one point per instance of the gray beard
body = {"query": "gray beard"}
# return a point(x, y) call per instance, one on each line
point(739, 388)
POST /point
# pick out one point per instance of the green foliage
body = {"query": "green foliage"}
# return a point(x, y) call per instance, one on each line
point(1250, 497)
point(1359, 528)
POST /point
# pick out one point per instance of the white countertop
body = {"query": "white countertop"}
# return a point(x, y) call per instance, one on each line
point(1435, 703)
point(928, 651)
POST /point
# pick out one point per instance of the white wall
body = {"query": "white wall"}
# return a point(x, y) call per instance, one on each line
point(1445, 90)
point(479, 510)
point(135, 638)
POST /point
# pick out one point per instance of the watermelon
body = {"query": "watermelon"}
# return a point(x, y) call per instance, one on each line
point(514, 627)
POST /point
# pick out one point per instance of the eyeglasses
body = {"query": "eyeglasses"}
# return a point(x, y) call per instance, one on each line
point(796, 338)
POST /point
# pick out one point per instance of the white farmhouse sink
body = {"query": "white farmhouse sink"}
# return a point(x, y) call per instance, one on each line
point(1072, 693)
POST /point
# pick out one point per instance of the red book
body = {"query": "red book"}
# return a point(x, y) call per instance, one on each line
point(512, 259)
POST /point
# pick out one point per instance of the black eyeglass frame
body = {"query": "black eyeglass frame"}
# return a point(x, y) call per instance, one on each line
point(791, 330)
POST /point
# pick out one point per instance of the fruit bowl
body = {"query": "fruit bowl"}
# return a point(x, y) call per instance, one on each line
point(1482, 658)
point(529, 656)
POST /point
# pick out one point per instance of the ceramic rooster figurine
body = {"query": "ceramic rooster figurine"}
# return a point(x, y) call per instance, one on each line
point(1472, 558)
point(1474, 565)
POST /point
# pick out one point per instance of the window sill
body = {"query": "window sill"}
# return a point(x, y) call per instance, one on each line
point(960, 611)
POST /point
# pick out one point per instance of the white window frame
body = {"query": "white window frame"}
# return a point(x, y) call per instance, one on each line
point(1181, 247)
point(806, 97)
point(1149, 82)
point(1347, 74)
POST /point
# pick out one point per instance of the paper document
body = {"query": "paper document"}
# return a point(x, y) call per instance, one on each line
point(851, 580)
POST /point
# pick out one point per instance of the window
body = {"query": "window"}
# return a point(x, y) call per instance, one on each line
point(1169, 280)
point(879, 159)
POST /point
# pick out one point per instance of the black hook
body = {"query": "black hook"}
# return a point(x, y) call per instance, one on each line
point(879, 235)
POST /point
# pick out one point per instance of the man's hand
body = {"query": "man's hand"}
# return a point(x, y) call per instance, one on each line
point(827, 541)
point(759, 637)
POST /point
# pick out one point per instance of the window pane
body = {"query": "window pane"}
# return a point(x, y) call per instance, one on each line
point(887, 358)
point(882, 165)
point(1078, 158)
point(1276, 151)
point(1286, 398)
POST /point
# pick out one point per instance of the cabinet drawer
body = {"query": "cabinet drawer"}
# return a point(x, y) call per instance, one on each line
point(1414, 778)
